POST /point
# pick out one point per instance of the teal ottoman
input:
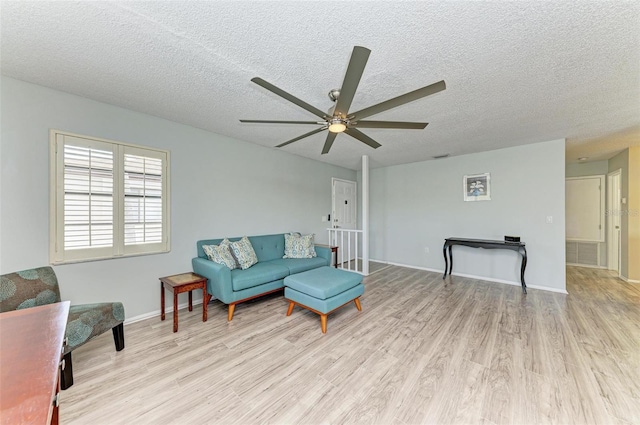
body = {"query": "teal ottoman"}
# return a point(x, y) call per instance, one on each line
point(323, 290)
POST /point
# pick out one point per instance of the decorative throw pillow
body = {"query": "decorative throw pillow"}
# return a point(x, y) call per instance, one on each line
point(244, 253)
point(220, 254)
point(298, 246)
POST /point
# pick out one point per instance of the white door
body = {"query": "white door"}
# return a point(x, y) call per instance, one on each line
point(585, 209)
point(613, 221)
point(344, 202)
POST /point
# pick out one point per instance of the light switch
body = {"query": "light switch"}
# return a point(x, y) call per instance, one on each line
point(549, 219)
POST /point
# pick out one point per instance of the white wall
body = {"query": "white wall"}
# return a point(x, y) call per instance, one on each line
point(593, 168)
point(219, 187)
point(416, 206)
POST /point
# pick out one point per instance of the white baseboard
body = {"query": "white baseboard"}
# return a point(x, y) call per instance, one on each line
point(587, 266)
point(626, 279)
point(168, 310)
point(487, 279)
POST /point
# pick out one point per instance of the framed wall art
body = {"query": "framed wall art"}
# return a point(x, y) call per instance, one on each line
point(477, 187)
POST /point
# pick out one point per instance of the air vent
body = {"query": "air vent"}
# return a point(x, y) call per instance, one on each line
point(582, 253)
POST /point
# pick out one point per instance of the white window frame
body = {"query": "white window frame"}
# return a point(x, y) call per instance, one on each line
point(57, 253)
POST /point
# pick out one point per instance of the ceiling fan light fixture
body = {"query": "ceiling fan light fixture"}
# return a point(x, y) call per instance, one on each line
point(336, 125)
point(338, 119)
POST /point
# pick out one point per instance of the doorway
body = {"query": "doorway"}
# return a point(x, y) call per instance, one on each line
point(613, 221)
point(344, 216)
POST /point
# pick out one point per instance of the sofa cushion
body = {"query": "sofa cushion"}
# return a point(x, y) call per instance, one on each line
point(221, 254)
point(298, 246)
point(268, 247)
point(244, 253)
point(327, 305)
point(323, 282)
point(260, 273)
point(298, 265)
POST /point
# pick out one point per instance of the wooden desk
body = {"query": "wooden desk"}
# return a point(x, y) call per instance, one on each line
point(185, 282)
point(519, 247)
point(30, 363)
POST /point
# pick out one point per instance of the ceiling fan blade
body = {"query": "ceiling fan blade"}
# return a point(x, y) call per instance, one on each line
point(391, 124)
point(289, 97)
point(358, 61)
point(327, 144)
point(357, 134)
point(281, 122)
point(400, 100)
point(317, 130)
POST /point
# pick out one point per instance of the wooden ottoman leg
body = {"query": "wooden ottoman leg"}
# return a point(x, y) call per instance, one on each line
point(232, 308)
point(358, 306)
point(323, 323)
point(290, 309)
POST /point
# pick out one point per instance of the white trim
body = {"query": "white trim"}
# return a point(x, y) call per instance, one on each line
point(610, 225)
point(587, 266)
point(626, 279)
point(156, 313)
point(365, 215)
point(487, 279)
point(57, 254)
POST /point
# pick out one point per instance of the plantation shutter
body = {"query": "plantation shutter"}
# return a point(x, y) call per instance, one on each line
point(88, 197)
point(108, 199)
point(144, 215)
point(83, 199)
point(143, 205)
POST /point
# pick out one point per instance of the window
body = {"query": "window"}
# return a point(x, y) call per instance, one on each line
point(108, 199)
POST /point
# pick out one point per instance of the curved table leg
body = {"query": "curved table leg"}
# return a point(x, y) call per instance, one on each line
point(450, 260)
point(446, 262)
point(522, 269)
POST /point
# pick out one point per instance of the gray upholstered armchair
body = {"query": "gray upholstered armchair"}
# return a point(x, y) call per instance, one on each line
point(34, 287)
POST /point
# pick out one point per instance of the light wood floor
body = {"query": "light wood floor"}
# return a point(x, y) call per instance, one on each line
point(422, 350)
point(374, 266)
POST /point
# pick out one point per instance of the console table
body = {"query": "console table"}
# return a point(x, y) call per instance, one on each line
point(519, 247)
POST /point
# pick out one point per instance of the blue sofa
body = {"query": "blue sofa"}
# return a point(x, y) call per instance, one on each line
point(266, 276)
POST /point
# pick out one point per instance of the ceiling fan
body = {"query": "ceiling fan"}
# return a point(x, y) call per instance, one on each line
point(338, 119)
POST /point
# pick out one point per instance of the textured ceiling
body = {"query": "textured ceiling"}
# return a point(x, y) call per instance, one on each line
point(516, 72)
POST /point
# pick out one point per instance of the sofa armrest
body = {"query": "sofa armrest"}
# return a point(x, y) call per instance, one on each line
point(324, 252)
point(219, 278)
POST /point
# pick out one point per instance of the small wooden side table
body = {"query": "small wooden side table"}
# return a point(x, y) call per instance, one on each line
point(179, 283)
point(334, 249)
